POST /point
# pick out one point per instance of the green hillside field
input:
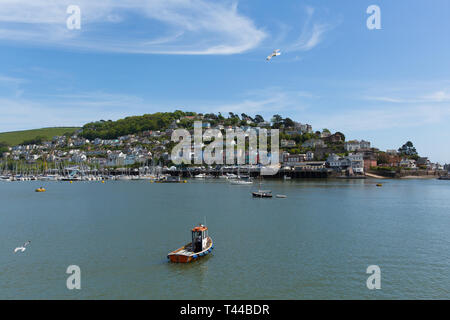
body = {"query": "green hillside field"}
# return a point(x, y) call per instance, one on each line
point(17, 137)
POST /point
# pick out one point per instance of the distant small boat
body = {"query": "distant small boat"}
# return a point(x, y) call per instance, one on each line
point(202, 176)
point(262, 194)
point(282, 196)
point(170, 179)
point(200, 246)
point(40, 190)
point(379, 185)
point(241, 182)
point(444, 178)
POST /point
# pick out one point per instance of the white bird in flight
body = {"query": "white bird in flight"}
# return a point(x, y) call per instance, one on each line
point(273, 54)
point(22, 248)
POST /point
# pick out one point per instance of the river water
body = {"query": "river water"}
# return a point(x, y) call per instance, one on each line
point(315, 244)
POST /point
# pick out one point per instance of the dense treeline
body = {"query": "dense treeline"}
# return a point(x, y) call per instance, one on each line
point(131, 125)
point(162, 120)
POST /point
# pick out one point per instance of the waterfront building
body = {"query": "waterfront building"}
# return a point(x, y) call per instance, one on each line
point(353, 160)
point(292, 160)
point(356, 162)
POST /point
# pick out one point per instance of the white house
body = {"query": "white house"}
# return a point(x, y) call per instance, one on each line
point(355, 145)
point(287, 143)
point(408, 163)
point(355, 161)
point(314, 143)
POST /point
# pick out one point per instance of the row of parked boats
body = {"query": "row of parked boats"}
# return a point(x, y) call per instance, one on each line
point(234, 179)
point(9, 178)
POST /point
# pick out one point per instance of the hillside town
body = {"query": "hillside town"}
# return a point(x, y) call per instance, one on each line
point(302, 149)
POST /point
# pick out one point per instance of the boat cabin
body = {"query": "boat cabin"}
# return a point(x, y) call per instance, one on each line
point(199, 238)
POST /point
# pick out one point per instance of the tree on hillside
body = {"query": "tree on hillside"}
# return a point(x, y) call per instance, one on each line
point(340, 134)
point(288, 123)
point(277, 121)
point(408, 149)
point(259, 118)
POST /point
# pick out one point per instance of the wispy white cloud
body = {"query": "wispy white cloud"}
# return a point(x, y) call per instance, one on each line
point(413, 98)
point(10, 80)
point(438, 96)
point(312, 33)
point(162, 26)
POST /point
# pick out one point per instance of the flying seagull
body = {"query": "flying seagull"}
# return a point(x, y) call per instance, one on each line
point(22, 248)
point(273, 54)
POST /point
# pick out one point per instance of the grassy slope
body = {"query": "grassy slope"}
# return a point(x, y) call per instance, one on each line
point(17, 137)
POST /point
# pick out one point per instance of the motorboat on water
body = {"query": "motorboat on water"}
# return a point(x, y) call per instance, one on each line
point(200, 246)
point(232, 176)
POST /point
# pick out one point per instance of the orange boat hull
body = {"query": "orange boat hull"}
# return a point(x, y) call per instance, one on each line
point(180, 256)
point(180, 259)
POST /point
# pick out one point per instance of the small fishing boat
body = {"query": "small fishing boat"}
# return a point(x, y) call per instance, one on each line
point(444, 177)
point(200, 246)
point(281, 196)
point(40, 190)
point(379, 185)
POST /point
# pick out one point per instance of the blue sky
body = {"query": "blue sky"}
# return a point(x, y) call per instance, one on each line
point(133, 57)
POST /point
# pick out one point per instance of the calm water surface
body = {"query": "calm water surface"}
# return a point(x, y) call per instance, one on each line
point(316, 244)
